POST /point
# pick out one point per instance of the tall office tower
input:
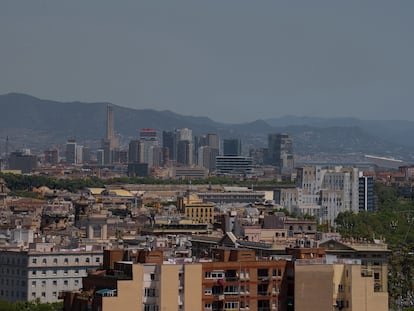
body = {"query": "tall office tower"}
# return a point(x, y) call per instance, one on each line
point(148, 134)
point(79, 154)
point(109, 143)
point(100, 155)
point(184, 134)
point(231, 147)
point(154, 156)
point(134, 153)
point(204, 157)
point(148, 139)
point(110, 135)
point(107, 152)
point(169, 146)
point(280, 152)
point(86, 154)
point(185, 152)
point(213, 141)
point(71, 151)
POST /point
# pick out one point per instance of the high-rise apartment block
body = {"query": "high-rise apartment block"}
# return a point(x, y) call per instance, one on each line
point(323, 192)
point(366, 193)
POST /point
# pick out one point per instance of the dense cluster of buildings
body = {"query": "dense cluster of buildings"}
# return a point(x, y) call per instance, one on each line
point(191, 247)
point(167, 154)
point(181, 247)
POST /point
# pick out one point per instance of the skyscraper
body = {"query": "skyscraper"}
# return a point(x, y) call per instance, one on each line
point(168, 145)
point(231, 147)
point(109, 143)
point(71, 151)
point(110, 124)
point(280, 152)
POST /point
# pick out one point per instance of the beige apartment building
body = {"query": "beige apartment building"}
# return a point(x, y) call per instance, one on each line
point(338, 286)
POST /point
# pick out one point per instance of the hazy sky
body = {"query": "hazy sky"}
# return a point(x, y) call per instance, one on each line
point(231, 60)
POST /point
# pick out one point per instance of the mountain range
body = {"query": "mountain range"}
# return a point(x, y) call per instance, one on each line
point(36, 123)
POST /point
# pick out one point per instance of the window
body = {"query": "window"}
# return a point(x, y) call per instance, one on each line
point(65, 272)
point(54, 283)
point(33, 283)
point(54, 294)
point(34, 260)
point(150, 292)
point(76, 271)
point(87, 259)
point(43, 283)
point(43, 294)
point(152, 276)
point(207, 291)
point(55, 261)
point(150, 307)
point(44, 272)
point(44, 261)
point(33, 272)
point(208, 306)
point(214, 275)
point(65, 282)
point(76, 282)
point(231, 305)
point(54, 272)
point(66, 261)
point(97, 259)
point(76, 260)
point(33, 294)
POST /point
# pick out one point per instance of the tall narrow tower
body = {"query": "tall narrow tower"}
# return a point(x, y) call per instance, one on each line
point(110, 124)
point(109, 143)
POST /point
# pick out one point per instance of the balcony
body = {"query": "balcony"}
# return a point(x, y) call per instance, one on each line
point(231, 293)
point(263, 293)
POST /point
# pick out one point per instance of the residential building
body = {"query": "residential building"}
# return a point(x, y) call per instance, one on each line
point(345, 287)
point(43, 271)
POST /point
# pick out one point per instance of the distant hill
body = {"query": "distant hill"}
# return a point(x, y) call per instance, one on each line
point(36, 123)
point(396, 131)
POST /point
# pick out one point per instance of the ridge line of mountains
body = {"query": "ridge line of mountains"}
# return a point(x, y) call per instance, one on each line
point(36, 123)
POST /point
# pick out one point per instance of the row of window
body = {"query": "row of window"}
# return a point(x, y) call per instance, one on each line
point(53, 272)
point(66, 260)
point(54, 283)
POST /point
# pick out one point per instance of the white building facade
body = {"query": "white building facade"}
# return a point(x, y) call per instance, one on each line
point(43, 272)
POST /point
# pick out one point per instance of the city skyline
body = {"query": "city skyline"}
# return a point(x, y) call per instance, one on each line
point(232, 62)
